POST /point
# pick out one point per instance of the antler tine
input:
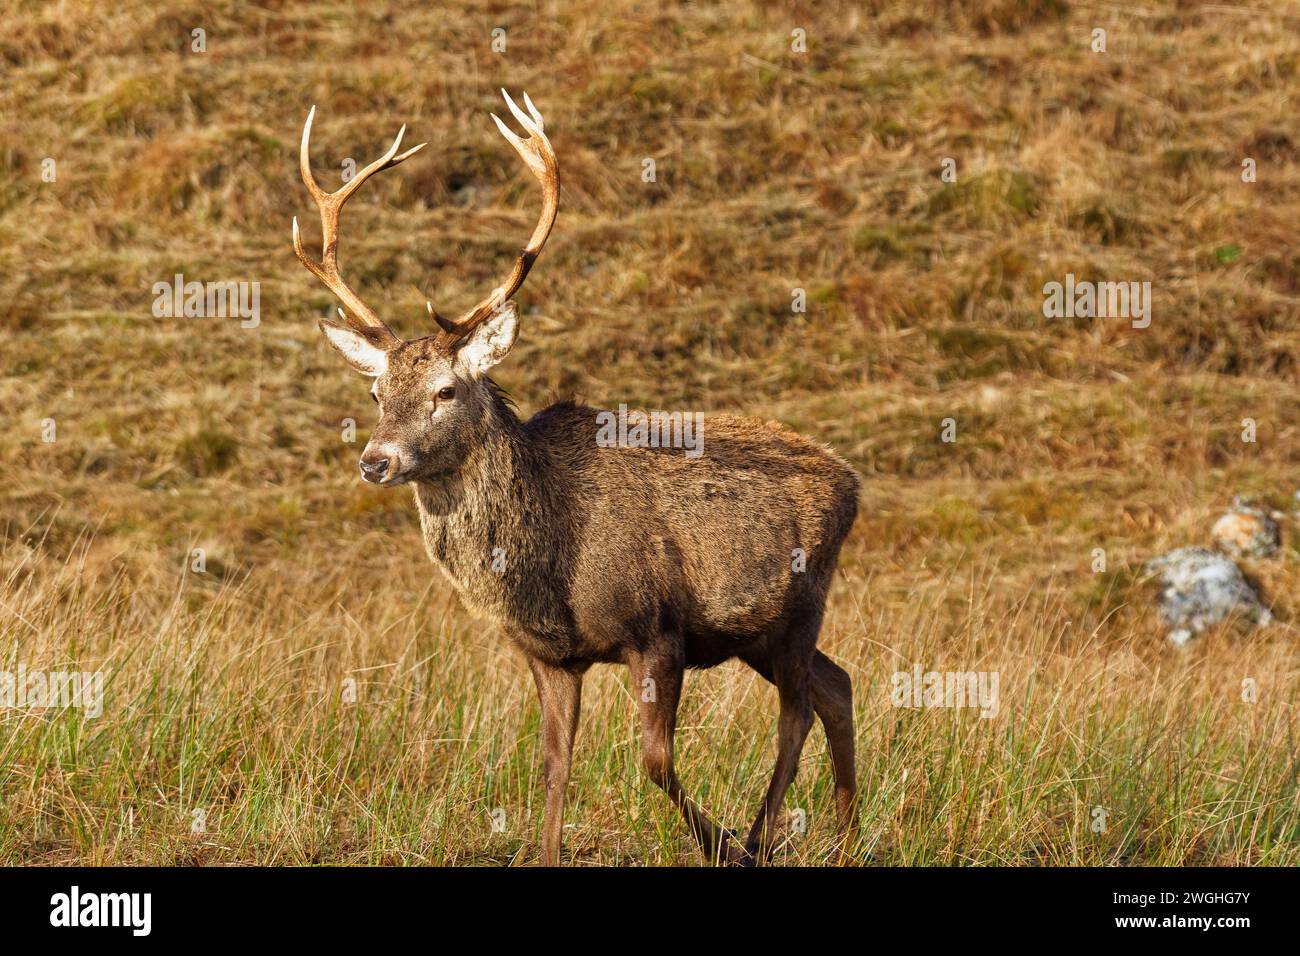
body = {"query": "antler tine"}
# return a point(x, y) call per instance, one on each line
point(329, 204)
point(537, 117)
point(444, 323)
point(539, 156)
point(386, 161)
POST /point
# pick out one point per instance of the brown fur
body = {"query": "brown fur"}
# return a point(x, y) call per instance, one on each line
point(639, 556)
point(665, 539)
point(588, 554)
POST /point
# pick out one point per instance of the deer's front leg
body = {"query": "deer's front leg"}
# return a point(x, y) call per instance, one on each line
point(560, 691)
point(657, 680)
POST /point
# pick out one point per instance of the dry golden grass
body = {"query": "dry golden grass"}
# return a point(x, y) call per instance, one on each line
point(775, 170)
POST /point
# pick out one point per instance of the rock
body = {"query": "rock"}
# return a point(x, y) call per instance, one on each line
point(1247, 532)
point(1201, 589)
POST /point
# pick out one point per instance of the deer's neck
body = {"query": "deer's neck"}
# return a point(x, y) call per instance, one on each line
point(495, 526)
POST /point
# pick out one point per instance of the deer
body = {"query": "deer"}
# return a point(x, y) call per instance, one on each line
point(586, 553)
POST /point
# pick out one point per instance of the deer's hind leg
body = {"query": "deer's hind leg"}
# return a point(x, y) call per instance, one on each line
point(788, 667)
point(657, 683)
point(832, 699)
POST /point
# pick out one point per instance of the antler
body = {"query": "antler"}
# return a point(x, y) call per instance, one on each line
point(329, 204)
point(538, 156)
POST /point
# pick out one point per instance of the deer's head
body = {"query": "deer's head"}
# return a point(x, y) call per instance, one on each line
point(435, 399)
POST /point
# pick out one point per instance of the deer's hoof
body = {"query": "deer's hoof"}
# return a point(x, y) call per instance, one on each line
point(735, 854)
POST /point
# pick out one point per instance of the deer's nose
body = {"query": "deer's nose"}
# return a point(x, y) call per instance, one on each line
point(373, 468)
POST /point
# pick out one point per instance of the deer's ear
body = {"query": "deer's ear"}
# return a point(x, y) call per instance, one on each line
point(363, 354)
point(490, 342)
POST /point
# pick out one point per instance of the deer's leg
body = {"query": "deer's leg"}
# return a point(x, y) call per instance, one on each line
point(832, 694)
point(792, 680)
point(560, 691)
point(657, 684)
point(832, 699)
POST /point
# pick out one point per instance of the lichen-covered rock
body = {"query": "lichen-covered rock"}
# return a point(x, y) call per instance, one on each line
point(1247, 532)
point(1202, 588)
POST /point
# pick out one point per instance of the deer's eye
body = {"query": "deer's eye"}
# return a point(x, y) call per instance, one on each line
point(374, 397)
point(446, 393)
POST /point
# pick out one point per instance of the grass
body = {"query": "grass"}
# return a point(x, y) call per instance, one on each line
point(319, 725)
point(231, 690)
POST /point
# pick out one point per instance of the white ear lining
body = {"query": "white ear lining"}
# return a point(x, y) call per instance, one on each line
point(366, 358)
point(490, 342)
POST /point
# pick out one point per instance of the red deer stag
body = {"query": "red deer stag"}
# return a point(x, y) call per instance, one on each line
point(590, 554)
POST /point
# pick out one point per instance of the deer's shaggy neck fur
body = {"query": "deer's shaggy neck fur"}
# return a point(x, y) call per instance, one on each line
point(499, 529)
